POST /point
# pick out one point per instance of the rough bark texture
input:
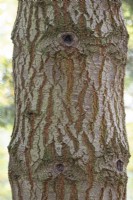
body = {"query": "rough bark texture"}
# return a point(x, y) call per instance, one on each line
point(69, 139)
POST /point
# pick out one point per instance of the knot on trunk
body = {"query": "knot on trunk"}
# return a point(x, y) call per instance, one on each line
point(119, 164)
point(68, 39)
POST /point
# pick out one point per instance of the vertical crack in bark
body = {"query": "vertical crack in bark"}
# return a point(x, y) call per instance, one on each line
point(80, 103)
point(74, 192)
point(45, 191)
point(60, 188)
point(65, 12)
point(29, 21)
point(68, 112)
point(75, 141)
point(70, 79)
point(40, 94)
point(19, 190)
point(28, 155)
point(101, 194)
point(49, 112)
point(56, 11)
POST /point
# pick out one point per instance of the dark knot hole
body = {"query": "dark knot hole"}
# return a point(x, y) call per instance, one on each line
point(119, 165)
point(60, 167)
point(67, 38)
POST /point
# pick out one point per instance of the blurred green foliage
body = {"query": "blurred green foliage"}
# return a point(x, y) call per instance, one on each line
point(128, 15)
point(7, 17)
point(130, 139)
point(5, 191)
point(6, 92)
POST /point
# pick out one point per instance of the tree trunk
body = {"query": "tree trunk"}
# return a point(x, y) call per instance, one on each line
point(69, 139)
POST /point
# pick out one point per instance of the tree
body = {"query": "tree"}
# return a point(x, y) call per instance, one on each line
point(69, 139)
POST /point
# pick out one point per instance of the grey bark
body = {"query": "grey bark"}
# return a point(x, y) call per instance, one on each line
point(69, 139)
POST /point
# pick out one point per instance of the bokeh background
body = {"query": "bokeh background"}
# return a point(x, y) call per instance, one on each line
point(8, 10)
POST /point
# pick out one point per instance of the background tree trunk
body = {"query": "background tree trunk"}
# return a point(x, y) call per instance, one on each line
point(69, 139)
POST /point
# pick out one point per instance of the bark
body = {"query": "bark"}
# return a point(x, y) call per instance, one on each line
point(69, 140)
